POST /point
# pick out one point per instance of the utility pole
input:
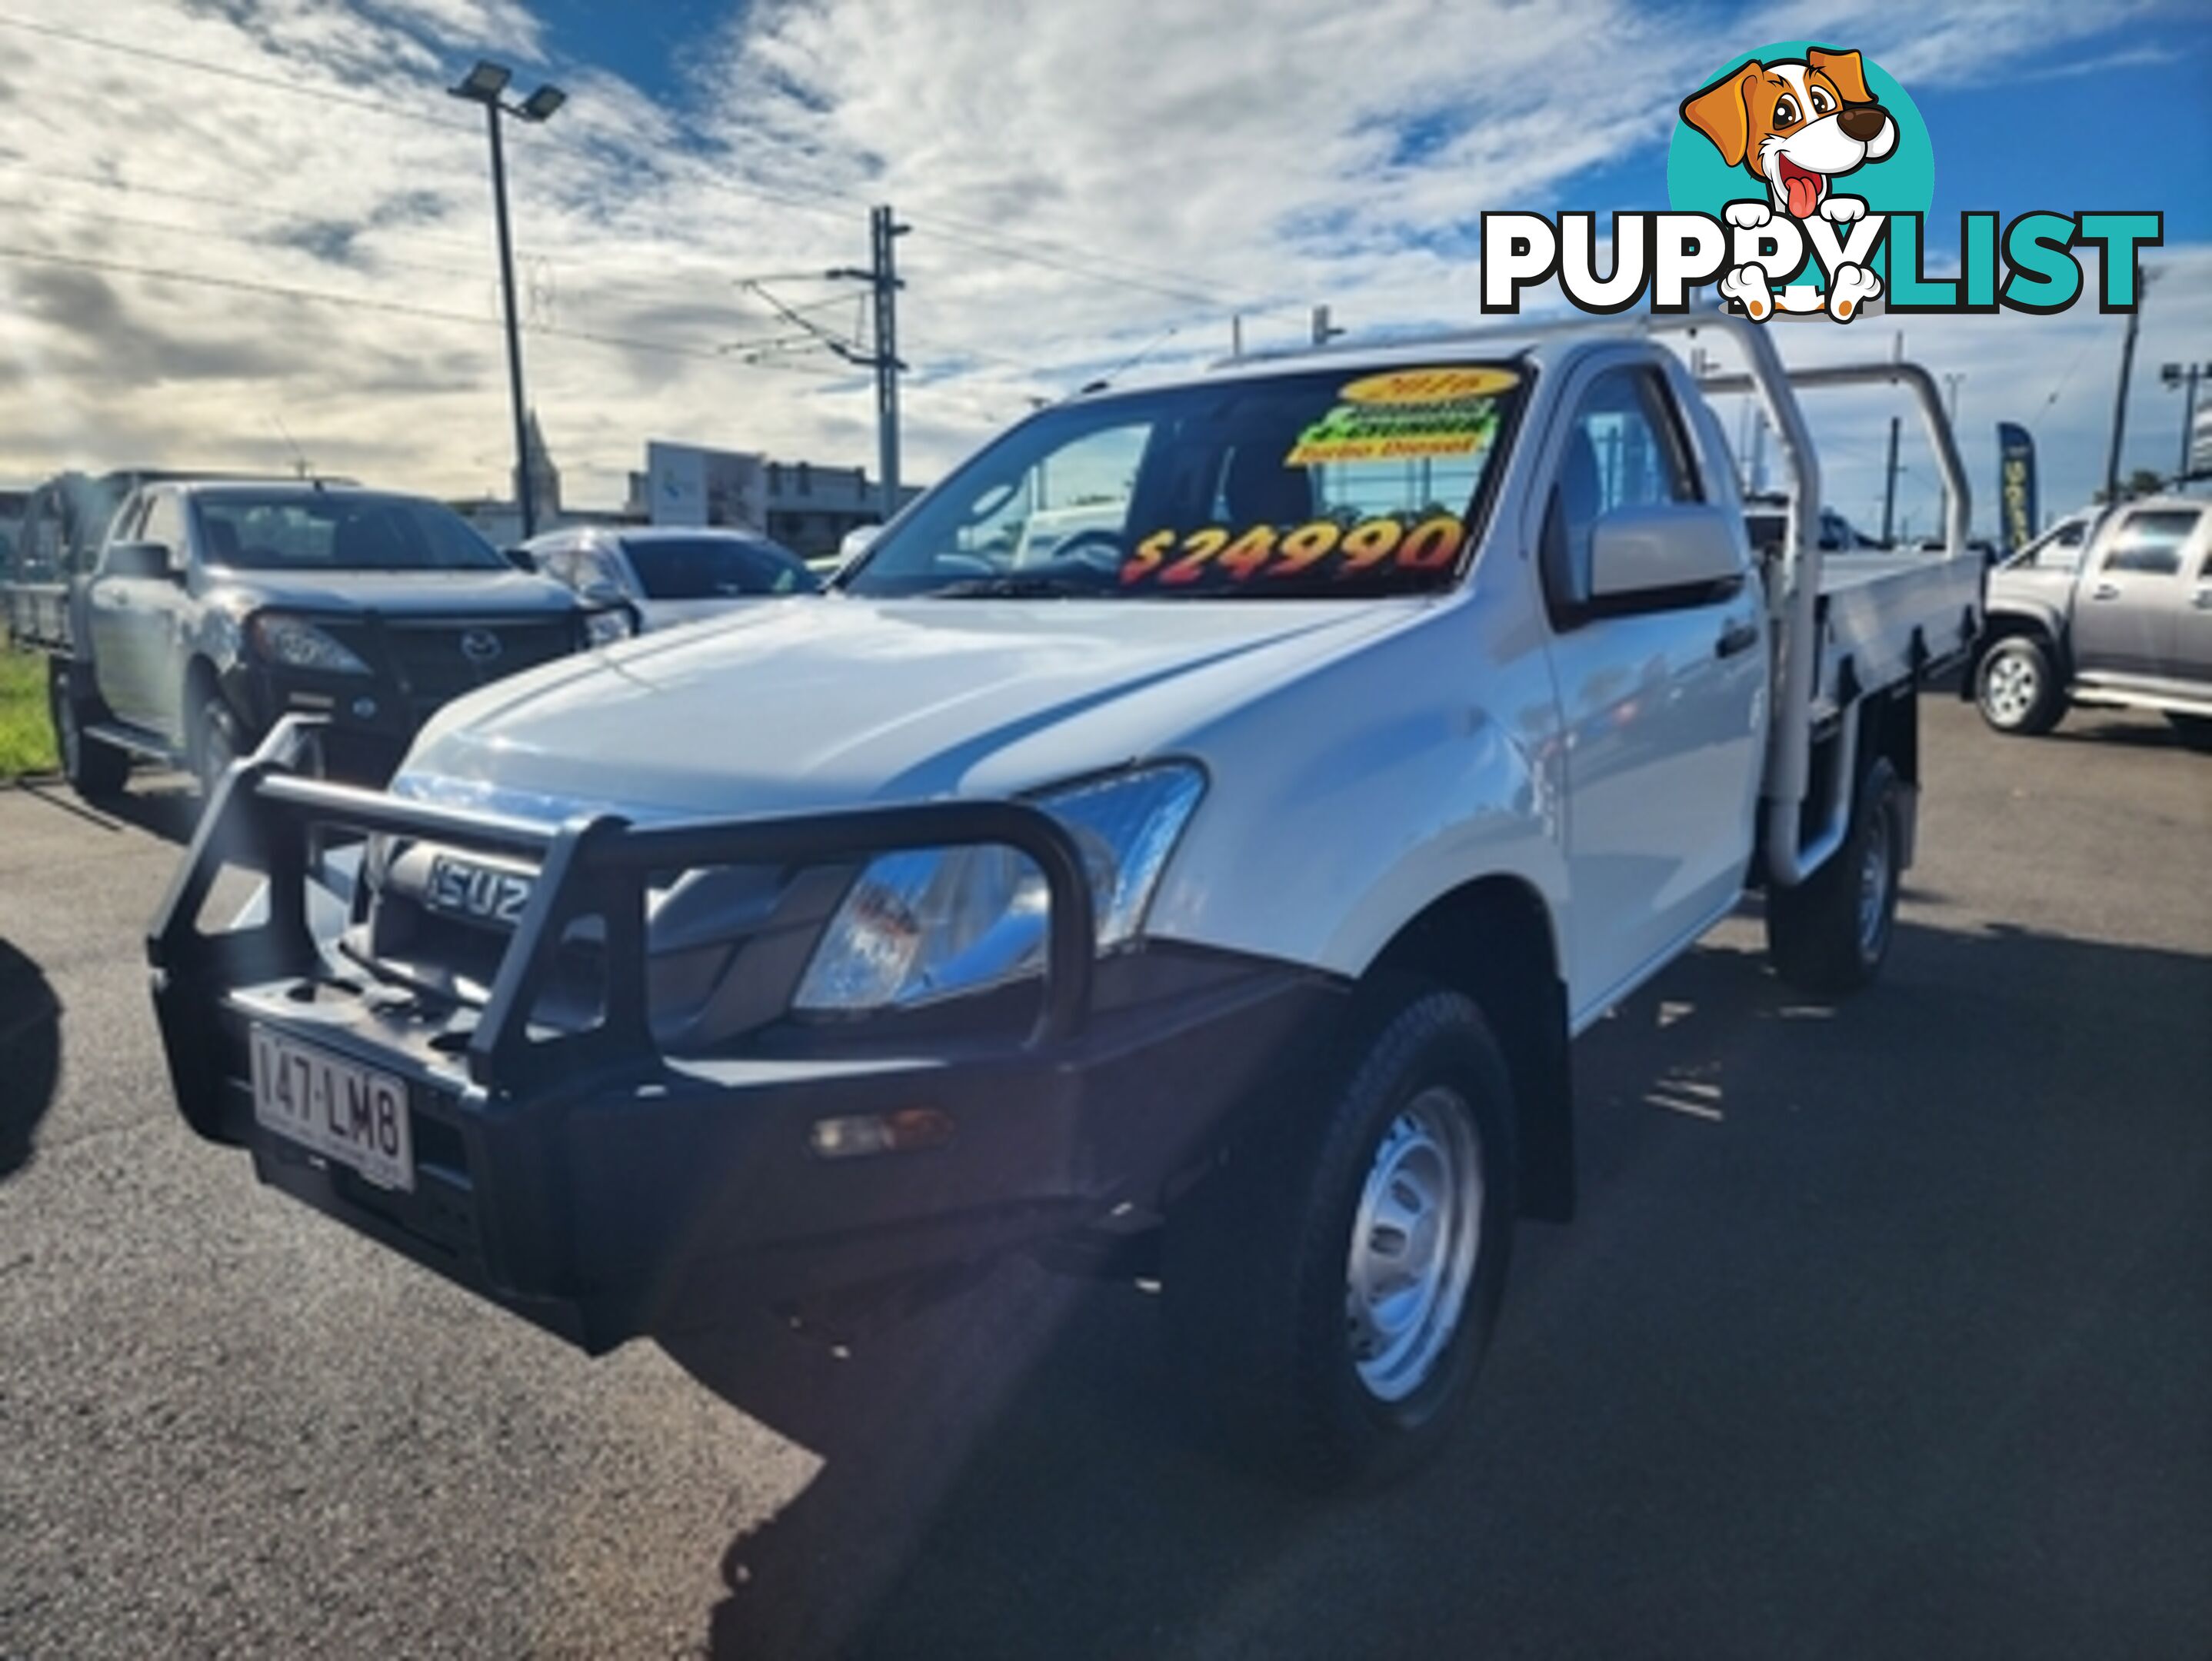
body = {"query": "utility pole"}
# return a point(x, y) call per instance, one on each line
point(2120, 403)
point(1236, 334)
point(883, 280)
point(1889, 488)
point(886, 234)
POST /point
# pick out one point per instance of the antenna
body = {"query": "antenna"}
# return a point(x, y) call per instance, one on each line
point(300, 464)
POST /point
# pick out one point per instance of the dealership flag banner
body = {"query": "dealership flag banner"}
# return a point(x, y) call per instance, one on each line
point(2016, 483)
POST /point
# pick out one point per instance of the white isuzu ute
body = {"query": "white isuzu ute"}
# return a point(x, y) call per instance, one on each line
point(1226, 883)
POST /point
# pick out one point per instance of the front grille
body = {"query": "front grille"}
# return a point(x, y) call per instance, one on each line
point(725, 947)
point(434, 662)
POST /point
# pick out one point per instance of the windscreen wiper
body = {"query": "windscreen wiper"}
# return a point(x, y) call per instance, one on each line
point(1028, 586)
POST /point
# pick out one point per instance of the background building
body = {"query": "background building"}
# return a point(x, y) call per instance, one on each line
point(807, 507)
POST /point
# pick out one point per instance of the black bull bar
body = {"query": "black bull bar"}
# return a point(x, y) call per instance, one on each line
point(265, 818)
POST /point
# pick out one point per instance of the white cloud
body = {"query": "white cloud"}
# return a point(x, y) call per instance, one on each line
point(1140, 165)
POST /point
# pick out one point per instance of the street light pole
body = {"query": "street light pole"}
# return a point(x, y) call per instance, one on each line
point(522, 491)
point(482, 85)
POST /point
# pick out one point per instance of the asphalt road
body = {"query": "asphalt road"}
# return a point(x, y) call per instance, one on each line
point(1886, 1330)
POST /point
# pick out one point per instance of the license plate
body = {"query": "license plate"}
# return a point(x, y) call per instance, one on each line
point(354, 1114)
point(478, 892)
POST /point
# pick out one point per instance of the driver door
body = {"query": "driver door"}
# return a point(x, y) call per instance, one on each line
point(2127, 611)
point(1663, 697)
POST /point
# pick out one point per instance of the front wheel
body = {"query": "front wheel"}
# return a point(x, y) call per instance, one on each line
point(1330, 1290)
point(1830, 933)
point(2018, 688)
point(217, 741)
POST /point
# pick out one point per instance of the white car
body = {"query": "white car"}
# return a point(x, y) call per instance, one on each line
point(670, 574)
point(1222, 892)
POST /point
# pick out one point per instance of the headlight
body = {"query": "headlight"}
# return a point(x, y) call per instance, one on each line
point(298, 644)
point(605, 627)
point(923, 925)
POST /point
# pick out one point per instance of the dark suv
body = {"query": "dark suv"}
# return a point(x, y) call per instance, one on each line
point(217, 608)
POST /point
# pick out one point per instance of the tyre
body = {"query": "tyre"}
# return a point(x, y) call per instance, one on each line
point(1330, 1290)
point(2018, 686)
point(1831, 932)
point(95, 769)
point(218, 739)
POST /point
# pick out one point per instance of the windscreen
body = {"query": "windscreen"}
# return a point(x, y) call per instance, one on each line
point(1317, 482)
point(312, 531)
point(714, 569)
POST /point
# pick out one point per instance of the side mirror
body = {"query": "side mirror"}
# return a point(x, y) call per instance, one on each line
point(139, 560)
point(521, 558)
point(1649, 551)
point(599, 590)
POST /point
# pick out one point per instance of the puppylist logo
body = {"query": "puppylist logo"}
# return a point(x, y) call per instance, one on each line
point(1800, 178)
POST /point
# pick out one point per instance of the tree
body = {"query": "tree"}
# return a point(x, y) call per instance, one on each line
point(2141, 482)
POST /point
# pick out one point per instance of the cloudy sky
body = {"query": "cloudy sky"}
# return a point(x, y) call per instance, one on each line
point(229, 221)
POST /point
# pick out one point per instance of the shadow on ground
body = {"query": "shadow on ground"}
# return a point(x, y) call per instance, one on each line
point(160, 804)
point(1883, 1330)
point(30, 1055)
point(2097, 727)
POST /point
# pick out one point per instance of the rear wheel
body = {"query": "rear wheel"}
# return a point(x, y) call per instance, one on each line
point(93, 769)
point(1831, 932)
point(1332, 1289)
point(2018, 687)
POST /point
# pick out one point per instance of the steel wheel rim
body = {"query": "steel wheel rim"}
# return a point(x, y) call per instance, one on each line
point(1873, 886)
point(1416, 1237)
point(2010, 688)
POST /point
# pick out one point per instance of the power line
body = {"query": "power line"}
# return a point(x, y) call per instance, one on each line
point(1190, 296)
point(356, 302)
point(272, 82)
point(837, 203)
point(996, 242)
point(204, 233)
point(1003, 244)
point(126, 187)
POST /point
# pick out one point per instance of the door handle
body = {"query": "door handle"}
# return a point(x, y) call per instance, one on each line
point(2203, 600)
point(2104, 592)
point(1736, 637)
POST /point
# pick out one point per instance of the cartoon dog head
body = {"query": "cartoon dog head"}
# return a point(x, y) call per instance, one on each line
point(1796, 123)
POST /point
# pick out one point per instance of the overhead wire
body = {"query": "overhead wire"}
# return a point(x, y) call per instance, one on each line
point(355, 302)
point(47, 175)
point(171, 60)
point(822, 200)
point(203, 233)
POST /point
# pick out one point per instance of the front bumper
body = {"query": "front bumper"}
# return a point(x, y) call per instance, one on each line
point(366, 721)
point(362, 725)
point(604, 1189)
